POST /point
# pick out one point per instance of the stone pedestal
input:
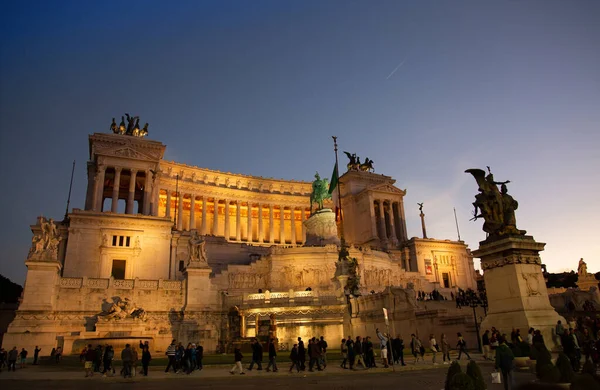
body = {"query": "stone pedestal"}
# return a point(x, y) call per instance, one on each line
point(516, 290)
point(321, 229)
point(585, 283)
point(199, 295)
point(40, 286)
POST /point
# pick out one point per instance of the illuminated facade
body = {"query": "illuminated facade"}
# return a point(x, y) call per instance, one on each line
point(129, 249)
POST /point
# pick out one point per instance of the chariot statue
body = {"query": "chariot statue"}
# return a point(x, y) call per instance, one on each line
point(354, 163)
point(320, 192)
point(132, 128)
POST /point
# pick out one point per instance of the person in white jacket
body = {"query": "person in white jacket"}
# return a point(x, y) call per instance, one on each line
point(434, 347)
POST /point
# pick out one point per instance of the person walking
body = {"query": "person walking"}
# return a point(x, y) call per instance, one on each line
point(98, 361)
point(36, 355)
point(13, 354)
point(359, 353)
point(314, 355)
point(485, 341)
point(146, 357)
point(369, 352)
point(199, 355)
point(445, 349)
point(3, 358)
point(398, 344)
point(134, 361)
point(351, 353)
point(461, 345)
point(294, 358)
point(272, 356)
point(171, 351)
point(301, 354)
point(344, 353)
point(434, 348)
point(127, 360)
point(504, 363)
point(257, 355)
point(22, 357)
point(58, 354)
point(90, 358)
point(323, 347)
point(415, 347)
point(237, 356)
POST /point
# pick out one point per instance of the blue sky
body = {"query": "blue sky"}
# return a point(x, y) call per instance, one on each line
point(259, 88)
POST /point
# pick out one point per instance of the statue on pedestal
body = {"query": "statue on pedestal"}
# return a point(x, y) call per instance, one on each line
point(44, 245)
point(132, 128)
point(320, 192)
point(197, 251)
point(582, 268)
point(496, 207)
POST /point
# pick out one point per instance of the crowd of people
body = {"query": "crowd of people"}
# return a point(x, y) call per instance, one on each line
point(184, 359)
point(580, 338)
point(100, 360)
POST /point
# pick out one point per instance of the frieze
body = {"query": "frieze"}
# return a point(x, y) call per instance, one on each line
point(71, 282)
point(123, 284)
point(341, 309)
point(515, 258)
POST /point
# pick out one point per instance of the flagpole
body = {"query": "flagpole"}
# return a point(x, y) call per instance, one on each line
point(70, 188)
point(337, 168)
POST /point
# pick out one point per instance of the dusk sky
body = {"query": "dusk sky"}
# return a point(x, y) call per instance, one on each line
point(259, 88)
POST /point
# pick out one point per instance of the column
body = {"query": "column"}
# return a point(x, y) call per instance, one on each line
point(216, 217)
point(99, 187)
point(192, 211)
point(302, 219)
point(115, 194)
point(373, 218)
point(131, 195)
point(402, 221)
point(260, 224)
point(271, 227)
point(147, 193)
point(249, 238)
point(382, 221)
point(168, 205)
point(203, 226)
point(293, 221)
point(180, 211)
point(392, 226)
point(238, 221)
point(226, 228)
point(281, 225)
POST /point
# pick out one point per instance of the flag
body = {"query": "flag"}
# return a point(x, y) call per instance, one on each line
point(334, 179)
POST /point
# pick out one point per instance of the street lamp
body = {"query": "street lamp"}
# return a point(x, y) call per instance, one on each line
point(474, 300)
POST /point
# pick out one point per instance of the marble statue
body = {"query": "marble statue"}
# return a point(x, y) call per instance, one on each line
point(121, 309)
point(45, 243)
point(113, 127)
point(496, 207)
point(582, 268)
point(320, 192)
point(197, 251)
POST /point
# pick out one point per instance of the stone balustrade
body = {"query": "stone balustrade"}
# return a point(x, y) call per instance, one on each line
point(122, 284)
point(291, 297)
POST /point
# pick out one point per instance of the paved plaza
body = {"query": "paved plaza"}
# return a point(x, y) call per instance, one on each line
point(420, 376)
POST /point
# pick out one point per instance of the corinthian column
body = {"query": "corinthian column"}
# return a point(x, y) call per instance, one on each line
point(281, 225)
point(203, 225)
point(382, 221)
point(168, 205)
point(192, 211)
point(147, 193)
point(392, 226)
point(99, 187)
point(293, 221)
point(180, 211)
point(130, 197)
point(249, 221)
point(238, 221)
point(226, 228)
point(271, 227)
point(260, 224)
point(115, 194)
point(302, 219)
point(216, 217)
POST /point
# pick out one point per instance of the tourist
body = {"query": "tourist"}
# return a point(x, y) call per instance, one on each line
point(294, 358)
point(36, 355)
point(415, 347)
point(3, 357)
point(146, 357)
point(369, 352)
point(199, 355)
point(187, 359)
point(98, 361)
point(504, 363)
point(323, 347)
point(193, 361)
point(434, 348)
point(179, 353)
point(81, 356)
point(171, 351)
point(358, 352)
point(237, 355)
point(383, 338)
point(314, 355)
point(22, 357)
point(301, 354)
point(109, 355)
point(445, 349)
point(257, 355)
point(127, 359)
point(134, 361)
point(90, 357)
point(494, 340)
point(537, 337)
point(485, 341)
point(58, 354)
point(577, 349)
point(351, 353)
point(461, 345)
point(398, 347)
point(144, 344)
point(587, 343)
point(272, 356)
point(530, 334)
point(13, 354)
point(344, 353)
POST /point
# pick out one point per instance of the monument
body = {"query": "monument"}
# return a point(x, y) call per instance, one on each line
point(516, 290)
point(585, 280)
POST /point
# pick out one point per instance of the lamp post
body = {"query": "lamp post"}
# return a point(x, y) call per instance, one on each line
point(473, 300)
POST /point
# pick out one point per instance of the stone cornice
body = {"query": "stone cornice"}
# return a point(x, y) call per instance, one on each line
point(101, 143)
point(85, 217)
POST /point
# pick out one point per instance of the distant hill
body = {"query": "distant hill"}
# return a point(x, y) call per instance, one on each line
point(564, 279)
point(10, 292)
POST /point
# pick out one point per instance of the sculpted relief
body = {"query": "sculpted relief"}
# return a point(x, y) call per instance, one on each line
point(247, 280)
point(302, 277)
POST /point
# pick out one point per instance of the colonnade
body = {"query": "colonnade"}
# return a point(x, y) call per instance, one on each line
point(130, 174)
point(234, 219)
point(387, 219)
